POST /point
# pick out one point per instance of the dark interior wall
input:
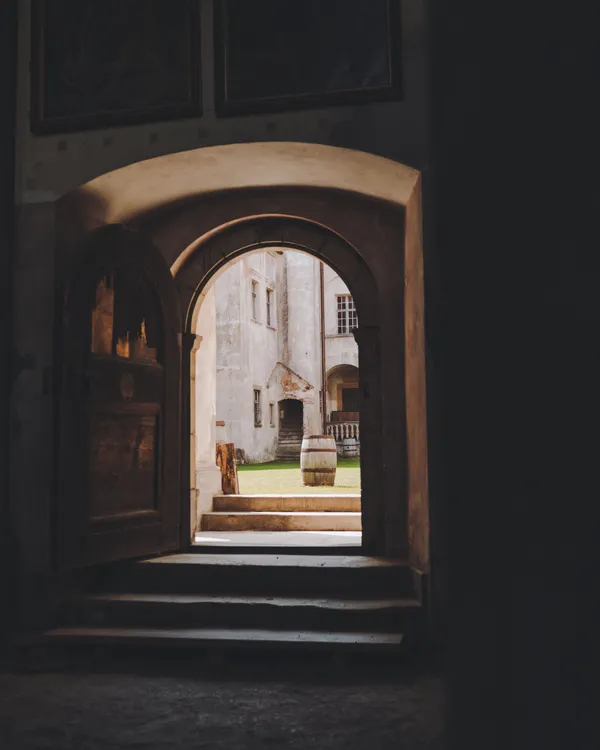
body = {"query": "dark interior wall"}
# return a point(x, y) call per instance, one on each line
point(511, 330)
point(8, 80)
point(51, 165)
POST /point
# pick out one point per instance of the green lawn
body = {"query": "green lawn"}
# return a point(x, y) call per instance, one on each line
point(286, 479)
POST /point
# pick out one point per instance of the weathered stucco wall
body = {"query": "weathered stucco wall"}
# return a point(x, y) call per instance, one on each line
point(339, 348)
point(247, 352)
point(304, 332)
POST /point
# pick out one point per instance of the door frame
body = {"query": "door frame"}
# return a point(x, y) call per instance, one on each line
point(212, 254)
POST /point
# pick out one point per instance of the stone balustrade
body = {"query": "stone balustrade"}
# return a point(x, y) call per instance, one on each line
point(341, 430)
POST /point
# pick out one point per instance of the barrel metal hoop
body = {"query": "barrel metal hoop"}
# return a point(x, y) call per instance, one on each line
point(318, 450)
point(318, 471)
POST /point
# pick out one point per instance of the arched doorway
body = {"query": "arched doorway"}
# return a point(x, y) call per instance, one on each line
point(258, 369)
point(359, 213)
point(343, 407)
point(343, 389)
point(209, 256)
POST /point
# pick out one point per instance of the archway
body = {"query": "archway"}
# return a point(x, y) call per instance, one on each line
point(342, 389)
point(210, 255)
point(358, 212)
point(344, 407)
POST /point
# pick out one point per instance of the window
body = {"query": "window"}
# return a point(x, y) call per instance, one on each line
point(346, 314)
point(257, 408)
point(255, 300)
point(272, 414)
point(270, 307)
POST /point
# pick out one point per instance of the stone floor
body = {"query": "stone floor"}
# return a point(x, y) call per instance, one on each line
point(156, 704)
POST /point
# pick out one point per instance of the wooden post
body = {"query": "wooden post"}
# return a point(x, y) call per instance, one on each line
point(227, 463)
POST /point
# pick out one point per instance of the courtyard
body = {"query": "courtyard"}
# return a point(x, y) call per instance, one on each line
point(286, 479)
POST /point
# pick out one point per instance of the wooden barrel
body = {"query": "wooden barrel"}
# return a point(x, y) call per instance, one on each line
point(318, 460)
point(349, 447)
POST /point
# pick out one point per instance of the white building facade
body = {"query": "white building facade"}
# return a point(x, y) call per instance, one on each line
point(275, 344)
point(274, 331)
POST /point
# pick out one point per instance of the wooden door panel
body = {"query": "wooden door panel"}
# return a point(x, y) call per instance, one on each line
point(117, 384)
point(120, 456)
point(123, 461)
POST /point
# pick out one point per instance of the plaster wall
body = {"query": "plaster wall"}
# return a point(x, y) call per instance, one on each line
point(253, 355)
point(340, 349)
point(247, 353)
point(304, 332)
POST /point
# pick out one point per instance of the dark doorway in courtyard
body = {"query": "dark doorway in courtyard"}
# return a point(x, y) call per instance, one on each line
point(291, 431)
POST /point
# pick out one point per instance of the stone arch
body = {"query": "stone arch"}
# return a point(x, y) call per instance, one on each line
point(336, 378)
point(372, 203)
point(209, 255)
point(174, 179)
point(337, 368)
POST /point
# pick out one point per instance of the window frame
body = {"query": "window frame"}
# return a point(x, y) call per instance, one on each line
point(257, 406)
point(270, 307)
point(347, 318)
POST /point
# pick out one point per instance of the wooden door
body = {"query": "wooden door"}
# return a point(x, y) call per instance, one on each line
point(119, 447)
point(350, 399)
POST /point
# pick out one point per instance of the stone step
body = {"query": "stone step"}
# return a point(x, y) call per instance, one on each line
point(276, 543)
point(225, 639)
point(314, 503)
point(264, 575)
point(281, 521)
point(217, 611)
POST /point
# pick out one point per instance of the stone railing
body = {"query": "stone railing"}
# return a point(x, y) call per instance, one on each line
point(341, 430)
